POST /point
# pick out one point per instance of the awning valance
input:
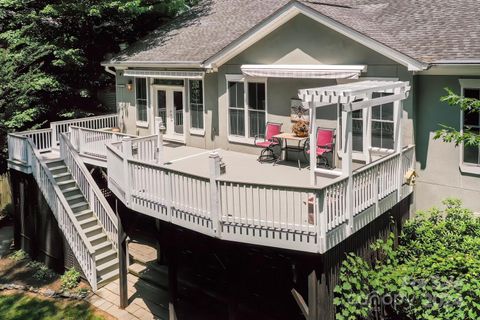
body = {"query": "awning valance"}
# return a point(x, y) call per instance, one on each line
point(164, 74)
point(304, 71)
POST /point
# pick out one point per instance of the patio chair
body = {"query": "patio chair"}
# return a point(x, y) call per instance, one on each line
point(325, 145)
point(268, 142)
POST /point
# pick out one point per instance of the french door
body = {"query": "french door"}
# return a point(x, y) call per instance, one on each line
point(170, 106)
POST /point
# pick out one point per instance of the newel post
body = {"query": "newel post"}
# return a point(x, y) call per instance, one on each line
point(127, 154)
point(398, 139)
point(215, 161)
point(320, 209)
point(160, 129)
point(81, 140)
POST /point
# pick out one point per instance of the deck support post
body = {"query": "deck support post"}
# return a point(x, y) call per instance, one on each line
point(122, 261)
point(215, 160)
point(172, 279)
point(160, 129)
point(127, 152)
point(347, 166)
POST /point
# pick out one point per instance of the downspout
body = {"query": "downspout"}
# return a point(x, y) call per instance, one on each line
point(107, 69)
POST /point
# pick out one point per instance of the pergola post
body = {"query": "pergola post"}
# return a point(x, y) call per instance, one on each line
point(347, 165)
point(159, 129)
point(313, 144)
point(367, 135)
point(398, 138)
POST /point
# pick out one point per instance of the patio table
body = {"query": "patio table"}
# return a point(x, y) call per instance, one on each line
point(299, 147)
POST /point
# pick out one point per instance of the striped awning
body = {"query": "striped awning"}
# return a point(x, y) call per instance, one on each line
point(304, 71)
point(164, 74)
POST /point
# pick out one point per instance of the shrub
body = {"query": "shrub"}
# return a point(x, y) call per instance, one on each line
point(19, 255)
point(42, 272)
point(70, 278)
point(433, 274)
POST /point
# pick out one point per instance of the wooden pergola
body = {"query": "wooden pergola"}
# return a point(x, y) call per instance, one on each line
point(348, 98)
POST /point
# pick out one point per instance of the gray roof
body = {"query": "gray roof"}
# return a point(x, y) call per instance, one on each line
point(426, 30)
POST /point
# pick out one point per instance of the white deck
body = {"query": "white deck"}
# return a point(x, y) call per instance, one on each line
point(255, 203)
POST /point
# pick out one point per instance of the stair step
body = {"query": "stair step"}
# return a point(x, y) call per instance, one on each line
point(66, 176)
point(98, 238)
point(82, 215)
point(66, 184)
point(88, 222)
point(71, 192)
point(75, 198)
point(70, 189)
point(108, 266)
point(94, 230)
point(58, 170)
point(105, 256)
point(80, 206)
point(56, 163)
point(107, 278)
point(102, 247)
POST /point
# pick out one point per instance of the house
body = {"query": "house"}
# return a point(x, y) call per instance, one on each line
point(193, 95)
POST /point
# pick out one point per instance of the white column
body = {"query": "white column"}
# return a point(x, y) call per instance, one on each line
point(313, 143)
point(347, 166)
point(398, 139)
point(214, 160)
point(127, 154)
point(367, 135)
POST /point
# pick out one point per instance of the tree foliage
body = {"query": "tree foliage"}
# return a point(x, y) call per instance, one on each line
point(433, 274)
point(449, 134)
point(50, 54)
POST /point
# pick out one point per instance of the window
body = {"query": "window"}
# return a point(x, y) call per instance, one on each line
point(236, 107)
point(246, 110)
point(382, 124)
point(471, 123)
point(196, 103)
point(357, 130)
point(256, 108)
point(141, 99)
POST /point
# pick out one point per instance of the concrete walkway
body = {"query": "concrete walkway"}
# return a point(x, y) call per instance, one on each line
point(145, 301)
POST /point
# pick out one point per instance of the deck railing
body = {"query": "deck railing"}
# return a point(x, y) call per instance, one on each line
point(287, 217)
point(89, 188)
point(99, 122)
point(23, 149)
point(91, 142)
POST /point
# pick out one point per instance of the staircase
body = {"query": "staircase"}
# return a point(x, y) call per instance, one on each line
point(106, 258)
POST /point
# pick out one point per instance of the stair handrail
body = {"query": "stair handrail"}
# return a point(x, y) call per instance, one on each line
point(33, 159)
point(89, 189)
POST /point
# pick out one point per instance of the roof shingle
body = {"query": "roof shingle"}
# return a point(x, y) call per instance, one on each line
point(428, 31)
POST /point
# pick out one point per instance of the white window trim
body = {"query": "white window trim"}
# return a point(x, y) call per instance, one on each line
point(141, 123)
point(196, 131)
point(245, 80)
point(466, 167)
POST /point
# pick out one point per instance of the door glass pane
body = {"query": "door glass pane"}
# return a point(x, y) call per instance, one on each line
point(178, 111)
point(162, 105)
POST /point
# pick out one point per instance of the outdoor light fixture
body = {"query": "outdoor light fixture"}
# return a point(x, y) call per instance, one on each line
point(129, 85)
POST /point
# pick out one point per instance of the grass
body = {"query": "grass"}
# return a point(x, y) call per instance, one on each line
point(27, 307)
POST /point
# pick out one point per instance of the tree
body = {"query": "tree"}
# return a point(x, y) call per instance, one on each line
point(432, 274)
point(448, 134)
point(50, 54)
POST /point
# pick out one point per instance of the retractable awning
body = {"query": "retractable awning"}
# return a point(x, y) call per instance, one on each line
point(164, 74)
point(304, 71)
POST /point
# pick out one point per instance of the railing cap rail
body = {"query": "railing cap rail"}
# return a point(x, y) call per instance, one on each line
point(111, 115)
point(90, 181)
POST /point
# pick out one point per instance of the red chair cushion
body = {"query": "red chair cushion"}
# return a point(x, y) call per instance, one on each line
point(266, 144)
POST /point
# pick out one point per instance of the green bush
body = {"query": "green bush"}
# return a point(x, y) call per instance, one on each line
point(433, 274)
point(70, 278)
point(19, 255)
point(42, 272)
